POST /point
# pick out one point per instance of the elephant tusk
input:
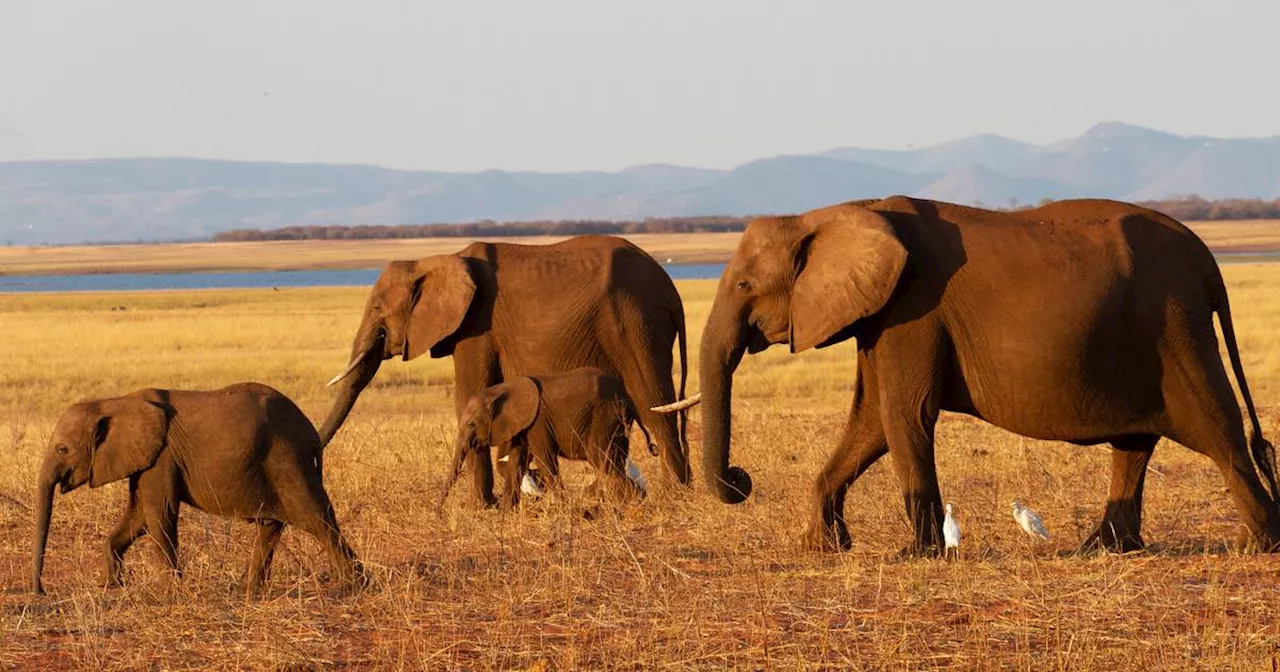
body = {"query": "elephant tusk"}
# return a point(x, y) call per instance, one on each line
point(354, 363)
point(679, 405)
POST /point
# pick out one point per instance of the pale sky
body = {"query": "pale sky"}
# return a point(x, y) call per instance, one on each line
point(468, 85)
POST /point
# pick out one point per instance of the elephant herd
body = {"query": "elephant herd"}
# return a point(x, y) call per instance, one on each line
point(1085, 321)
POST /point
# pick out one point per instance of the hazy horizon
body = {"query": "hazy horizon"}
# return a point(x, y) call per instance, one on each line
point(571, 85)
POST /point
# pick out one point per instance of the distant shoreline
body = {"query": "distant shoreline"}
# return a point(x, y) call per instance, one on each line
point(309, 255)
point(1238, 241)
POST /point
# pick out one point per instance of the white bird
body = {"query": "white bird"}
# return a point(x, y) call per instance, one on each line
point(530, 486)
point(951, 534)
point(1029, 521)
point(633, 473)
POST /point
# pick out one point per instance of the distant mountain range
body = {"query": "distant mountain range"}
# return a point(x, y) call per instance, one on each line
point(175, 199)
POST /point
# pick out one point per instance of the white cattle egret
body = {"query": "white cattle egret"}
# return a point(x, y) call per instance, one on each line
point(951, 534)
point(530, 486)
point(633, 473)
point(1029, 521)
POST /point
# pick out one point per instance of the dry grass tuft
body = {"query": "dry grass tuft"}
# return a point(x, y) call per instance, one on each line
point(679, 581)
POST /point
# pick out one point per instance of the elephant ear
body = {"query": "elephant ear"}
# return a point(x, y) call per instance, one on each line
point(128, 437)
point(849, 265)
point(514, 407)
point(442, 293)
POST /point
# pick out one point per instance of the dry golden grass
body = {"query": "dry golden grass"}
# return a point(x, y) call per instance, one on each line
point(679, 581)
point(1246, 235)
point(1251, 236)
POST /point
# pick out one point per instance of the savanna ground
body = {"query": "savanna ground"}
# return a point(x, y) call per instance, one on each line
point(1242, 237)
point(679, 581)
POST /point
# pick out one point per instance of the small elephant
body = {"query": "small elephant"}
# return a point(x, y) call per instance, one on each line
point(244, 451)
point(583, 414)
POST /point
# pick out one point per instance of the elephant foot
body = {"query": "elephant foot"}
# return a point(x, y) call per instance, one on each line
point(1248, 542)
point(1112, 538)
point(113, 579)
point(345, 590)
point(833, 538)
point(251, 591)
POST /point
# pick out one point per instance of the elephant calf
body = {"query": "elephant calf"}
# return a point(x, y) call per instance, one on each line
point(244, 451)
point(583, 414)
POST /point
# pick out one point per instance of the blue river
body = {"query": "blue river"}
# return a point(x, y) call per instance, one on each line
point(124, 282)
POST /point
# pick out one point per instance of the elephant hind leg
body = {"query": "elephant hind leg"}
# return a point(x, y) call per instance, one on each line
point(1246, 490)
point(650, 385)
point(1121, 527)
point(1205, 418)
point(316, 517)
point(611, 467)
point(264, 549)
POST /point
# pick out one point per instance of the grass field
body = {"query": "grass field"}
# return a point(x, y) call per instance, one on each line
point(679, 581)
point(1248, 236)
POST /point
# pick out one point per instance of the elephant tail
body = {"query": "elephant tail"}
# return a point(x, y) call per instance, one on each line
point(1264, 454)
point(633, 417)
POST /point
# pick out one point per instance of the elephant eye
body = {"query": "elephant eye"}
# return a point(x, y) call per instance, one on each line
point(744, 285)
point(62, 449)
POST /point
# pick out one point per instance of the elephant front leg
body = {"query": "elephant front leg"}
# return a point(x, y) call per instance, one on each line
point(475, 367)
point(511, 464)
point(158, 500)
point(162, 525)
point(131, 526)
point(1121, 527)
point(862, 443)
point(910, 438)
point(482, 480)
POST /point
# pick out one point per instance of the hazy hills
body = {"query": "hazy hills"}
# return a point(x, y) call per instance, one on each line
point(165, 199)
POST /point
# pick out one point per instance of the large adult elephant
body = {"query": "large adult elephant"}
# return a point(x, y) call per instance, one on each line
point(1086, 321)
point(504, 310)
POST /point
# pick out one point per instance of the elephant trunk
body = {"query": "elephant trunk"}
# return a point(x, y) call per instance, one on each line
point(461, 446)
point(366, 358)
point(721, 351)
point(50, 476)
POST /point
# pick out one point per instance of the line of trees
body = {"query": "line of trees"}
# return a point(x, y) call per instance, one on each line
point(490, 229)
point(1193, 208)
point(1187, 208)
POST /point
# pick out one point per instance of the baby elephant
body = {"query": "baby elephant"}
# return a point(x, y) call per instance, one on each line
point(244, 451)
point(583, 414)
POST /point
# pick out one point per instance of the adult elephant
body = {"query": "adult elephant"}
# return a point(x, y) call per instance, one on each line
point(1087, 321)
point(503, 310)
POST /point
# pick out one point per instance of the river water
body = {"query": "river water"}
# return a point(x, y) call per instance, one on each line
point(349, 278)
